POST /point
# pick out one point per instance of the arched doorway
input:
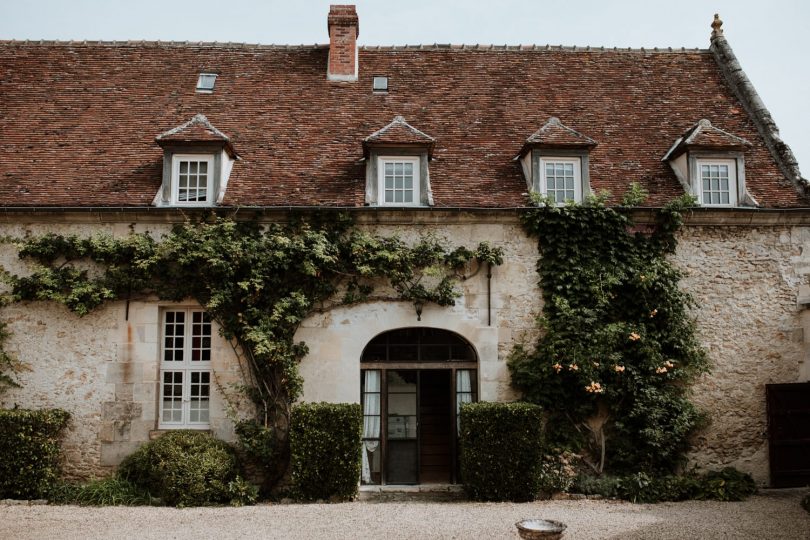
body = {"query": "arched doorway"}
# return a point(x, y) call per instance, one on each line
point(413, 381)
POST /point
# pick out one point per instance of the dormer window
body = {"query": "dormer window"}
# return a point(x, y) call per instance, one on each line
point(718, 180)
point(561, 178)
point(710, 164)
point(197, 161)
point(192, 179)
point(398, 180)
point(397, 159)
point(555, 162)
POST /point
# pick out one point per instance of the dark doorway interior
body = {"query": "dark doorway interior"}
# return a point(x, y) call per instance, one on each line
point(789, 434)
point(436, 422)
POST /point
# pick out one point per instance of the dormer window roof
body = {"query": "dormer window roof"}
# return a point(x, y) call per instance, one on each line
point(397, 157)
point(555, 161)
point(196, 131)
point(197, 161)
point(710, 164)
point(554, 134)
point(704, 136)
point(400, 133)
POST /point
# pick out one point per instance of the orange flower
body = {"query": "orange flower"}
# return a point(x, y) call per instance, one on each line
point(594, 388)
point(661, 370)
point(618, 369)
point(653, 313)
point(573, 367)
point(595, 364)
point(669, 364)
point(634, 336)
point(557, 367)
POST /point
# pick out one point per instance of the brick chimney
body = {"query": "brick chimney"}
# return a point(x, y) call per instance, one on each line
point(344, 27)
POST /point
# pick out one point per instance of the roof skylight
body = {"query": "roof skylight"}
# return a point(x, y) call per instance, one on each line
point(380, 83)
point(205, 84)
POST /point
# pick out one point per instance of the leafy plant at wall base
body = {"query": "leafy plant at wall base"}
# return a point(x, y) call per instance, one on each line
point(617, 350)
point(30, 452)
point(501, 450)
point(325, 448)
point(110, 491)
point(187, 468)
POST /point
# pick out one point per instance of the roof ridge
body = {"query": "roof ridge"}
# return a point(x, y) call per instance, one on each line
point(530, 47)
point(157, 43)
point(421, 47)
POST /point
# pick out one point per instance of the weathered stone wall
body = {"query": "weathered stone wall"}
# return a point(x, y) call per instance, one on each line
point(745, 281)
point(104, 368)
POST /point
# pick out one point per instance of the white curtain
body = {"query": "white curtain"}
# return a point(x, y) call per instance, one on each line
point(371, 419)
point(463, 391)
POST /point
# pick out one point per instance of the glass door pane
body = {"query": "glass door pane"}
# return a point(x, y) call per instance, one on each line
point(401, 427)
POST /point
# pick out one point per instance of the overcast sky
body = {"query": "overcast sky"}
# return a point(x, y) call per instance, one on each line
point(769, 37)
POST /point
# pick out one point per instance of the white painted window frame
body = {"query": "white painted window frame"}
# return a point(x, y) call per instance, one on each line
point(417, 180)
point(210, 196)
point(187, 366)
point(733, 181)
point(576, 161)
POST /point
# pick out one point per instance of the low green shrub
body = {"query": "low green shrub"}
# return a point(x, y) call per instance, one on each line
point(30, 452)
point(606, 486)
point(728, 484)
point(110, 491)
point(188, 468)
point(325, 443)
point(501, 450)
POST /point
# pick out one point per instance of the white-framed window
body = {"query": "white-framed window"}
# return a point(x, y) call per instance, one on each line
point(192, 180)
point(399, 181)
point(185, 369)
point(717, 182)
point(561, 178)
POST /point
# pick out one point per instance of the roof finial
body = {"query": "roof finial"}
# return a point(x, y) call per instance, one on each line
point(717, 26)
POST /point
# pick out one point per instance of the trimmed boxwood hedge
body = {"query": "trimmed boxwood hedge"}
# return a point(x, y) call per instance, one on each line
point(501, 450)
point(325, 443)
point(30, 452)
point(188, 468)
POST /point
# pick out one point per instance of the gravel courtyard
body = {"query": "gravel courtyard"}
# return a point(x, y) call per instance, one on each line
point(770, 515)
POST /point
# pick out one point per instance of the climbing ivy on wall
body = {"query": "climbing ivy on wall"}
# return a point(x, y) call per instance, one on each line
point(618, 348)
point(258, 282)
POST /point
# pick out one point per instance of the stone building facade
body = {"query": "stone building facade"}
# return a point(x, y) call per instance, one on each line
point(291, 133)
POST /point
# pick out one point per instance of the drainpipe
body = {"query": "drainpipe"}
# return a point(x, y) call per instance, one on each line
point(489, 294)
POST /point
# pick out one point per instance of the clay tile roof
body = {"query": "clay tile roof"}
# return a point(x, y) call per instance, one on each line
point(80, 131)
point(196, 130)
point(704, 135)
point(554, 133)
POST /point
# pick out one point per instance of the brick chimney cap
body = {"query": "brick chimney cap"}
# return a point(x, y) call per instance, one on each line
point(343, 15)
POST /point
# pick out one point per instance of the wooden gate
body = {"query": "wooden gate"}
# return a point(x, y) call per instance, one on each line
point(789, 434)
